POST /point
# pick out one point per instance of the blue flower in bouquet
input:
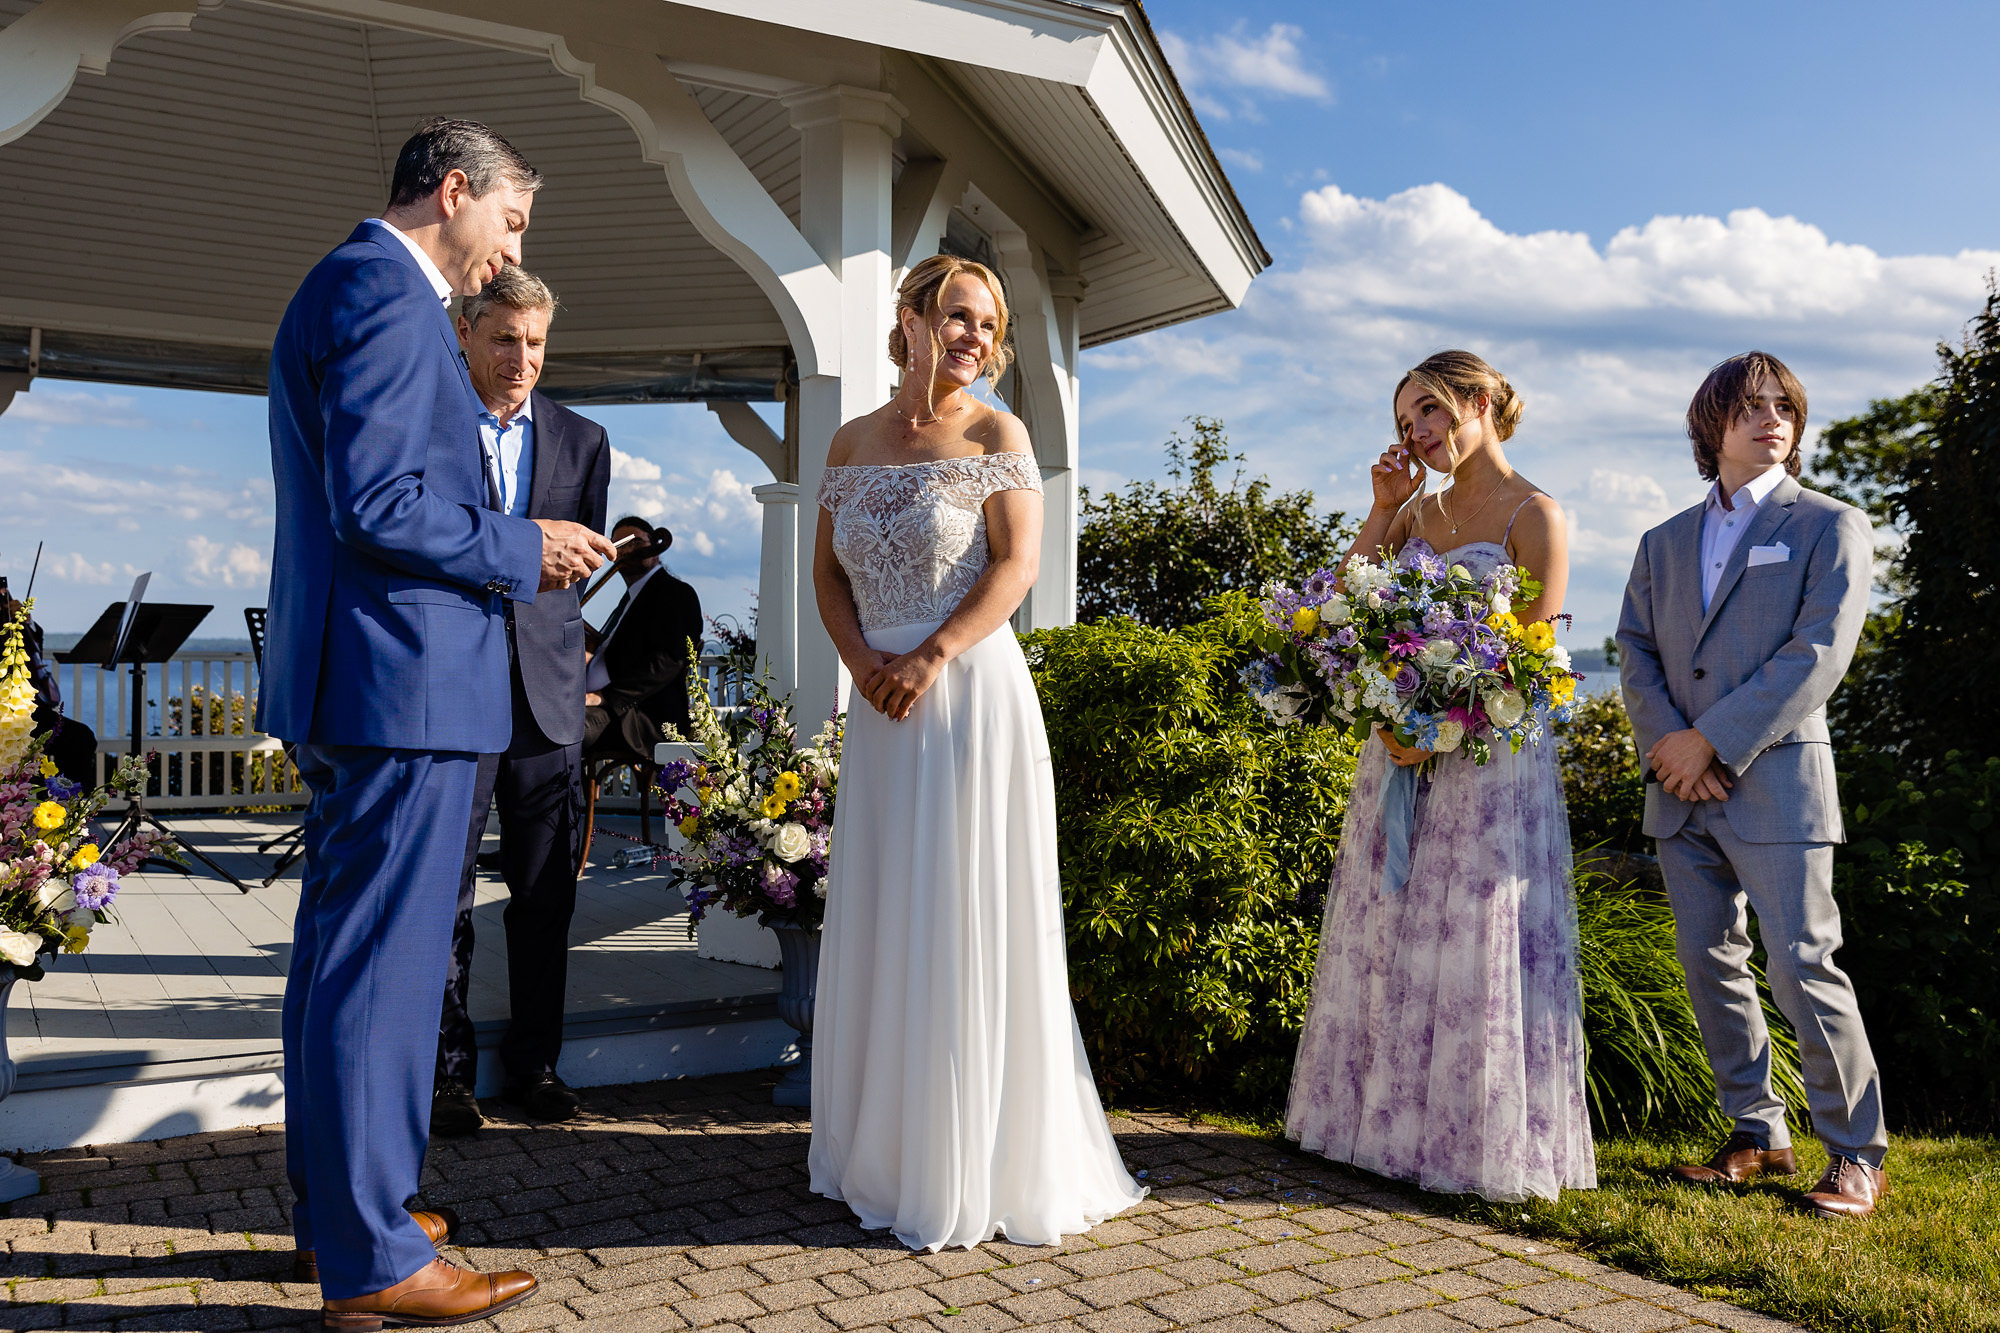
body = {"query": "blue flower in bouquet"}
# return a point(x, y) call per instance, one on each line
point(1319, 586)
point(95, 886)
point(62, 789)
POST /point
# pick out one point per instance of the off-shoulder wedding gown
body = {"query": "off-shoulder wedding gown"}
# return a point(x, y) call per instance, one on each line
point(951, 1096)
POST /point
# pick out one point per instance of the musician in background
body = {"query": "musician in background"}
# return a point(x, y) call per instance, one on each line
point(72, 746)
point(638, 676)
point(542, 461)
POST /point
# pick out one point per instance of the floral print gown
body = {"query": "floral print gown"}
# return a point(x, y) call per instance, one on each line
point(1444, 1041)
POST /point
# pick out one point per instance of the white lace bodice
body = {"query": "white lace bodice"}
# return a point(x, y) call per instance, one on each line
point(912, 536)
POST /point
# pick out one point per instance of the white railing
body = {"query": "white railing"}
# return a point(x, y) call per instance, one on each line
point(206, 754)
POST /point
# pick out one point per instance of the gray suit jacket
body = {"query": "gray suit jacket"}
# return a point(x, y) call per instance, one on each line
point(572, 475)
point(1753, 674)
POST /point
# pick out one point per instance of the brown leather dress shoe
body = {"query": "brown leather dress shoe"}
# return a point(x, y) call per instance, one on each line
point(1846, 1188)
point(435, 1296)
point(440, 1224)
point(1736, 1161)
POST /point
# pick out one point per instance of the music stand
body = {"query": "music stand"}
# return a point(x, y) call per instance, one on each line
point(135, 633)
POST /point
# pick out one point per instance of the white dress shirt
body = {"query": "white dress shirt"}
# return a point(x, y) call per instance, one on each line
point(598, 675)
point(510, 456)
point(1722, 529)
point(430, 269)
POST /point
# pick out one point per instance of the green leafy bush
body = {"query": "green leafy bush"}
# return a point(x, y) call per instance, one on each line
point(1197, 839)
point(1920, 903)
point(1601, 778)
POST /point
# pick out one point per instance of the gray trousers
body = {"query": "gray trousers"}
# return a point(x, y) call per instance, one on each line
point(1712, 876)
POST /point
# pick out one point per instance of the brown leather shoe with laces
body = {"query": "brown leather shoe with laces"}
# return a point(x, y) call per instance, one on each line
point(437, 1295)
point(1846, 1188)
point(440, 1224)
point(1736, 1161)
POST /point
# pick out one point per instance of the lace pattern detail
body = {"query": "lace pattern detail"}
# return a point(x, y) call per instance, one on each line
point(912, 536)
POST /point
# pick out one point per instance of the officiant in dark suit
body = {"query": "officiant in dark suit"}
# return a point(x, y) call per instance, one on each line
point(638, 676)
point(543, 461)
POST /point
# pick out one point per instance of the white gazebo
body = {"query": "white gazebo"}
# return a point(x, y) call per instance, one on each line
point(734, 189)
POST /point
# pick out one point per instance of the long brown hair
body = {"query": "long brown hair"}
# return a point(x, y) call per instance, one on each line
point(1724, 397)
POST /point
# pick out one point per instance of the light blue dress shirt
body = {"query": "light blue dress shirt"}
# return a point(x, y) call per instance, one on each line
point(510, 456)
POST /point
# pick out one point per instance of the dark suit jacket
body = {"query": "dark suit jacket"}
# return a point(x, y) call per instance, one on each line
point(647, 661)
point(388, 573)
point(572, 474)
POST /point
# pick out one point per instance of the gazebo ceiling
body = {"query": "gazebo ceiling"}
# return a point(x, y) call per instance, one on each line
point(160, 217)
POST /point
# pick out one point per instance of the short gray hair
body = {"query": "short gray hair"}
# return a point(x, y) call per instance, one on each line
point(441, 146)
point(513, 287)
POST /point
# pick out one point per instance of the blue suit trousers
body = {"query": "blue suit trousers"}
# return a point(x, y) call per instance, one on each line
point(384, 839)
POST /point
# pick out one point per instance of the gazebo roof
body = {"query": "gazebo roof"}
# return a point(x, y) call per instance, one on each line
point(160, 216)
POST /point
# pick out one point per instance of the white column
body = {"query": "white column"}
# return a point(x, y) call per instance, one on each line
point(846, 215)
point(777, 586)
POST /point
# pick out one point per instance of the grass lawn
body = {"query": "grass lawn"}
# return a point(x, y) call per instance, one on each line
point(1928, 1261)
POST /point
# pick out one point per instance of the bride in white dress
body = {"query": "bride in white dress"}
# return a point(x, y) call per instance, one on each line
point(951, 1097)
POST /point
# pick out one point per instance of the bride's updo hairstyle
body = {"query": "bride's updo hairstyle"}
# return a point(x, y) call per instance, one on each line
point(1456, 379)
point(923, 292)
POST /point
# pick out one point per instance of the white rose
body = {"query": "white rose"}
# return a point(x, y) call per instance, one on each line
point(1374, 599)
point(55, 893)
point(19, 949)
point(1502, 602)
point(1439, 651)
point(1450, 736)
point(1506, 706)
point(1336, 611)
point(792, 842)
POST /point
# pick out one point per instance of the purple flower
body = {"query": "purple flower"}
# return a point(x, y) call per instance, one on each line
point(1405, 644)
point(1345, 637)
point(1429, 565)
point(1319, 586)
point(95, 885)
point(62, 789)
point(676, 774)
point(780, 884)
point(1406, 679)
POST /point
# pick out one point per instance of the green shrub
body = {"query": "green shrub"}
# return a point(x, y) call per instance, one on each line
point(1197, 839)
point(1601, 778)
point(1920, 905)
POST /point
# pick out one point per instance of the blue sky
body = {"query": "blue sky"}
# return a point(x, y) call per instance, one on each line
point(1603, 200)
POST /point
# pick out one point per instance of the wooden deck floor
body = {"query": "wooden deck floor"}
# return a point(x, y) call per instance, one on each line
point(193, 971)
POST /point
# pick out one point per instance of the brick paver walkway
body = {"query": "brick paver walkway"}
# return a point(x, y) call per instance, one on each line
point(684, 1205)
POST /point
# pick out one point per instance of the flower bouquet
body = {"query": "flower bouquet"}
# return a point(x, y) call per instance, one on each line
point(756, 810)
point(1424, 650)
point(55, 883)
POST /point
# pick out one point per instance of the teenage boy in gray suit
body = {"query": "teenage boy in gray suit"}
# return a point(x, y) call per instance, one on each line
point(1740, 619)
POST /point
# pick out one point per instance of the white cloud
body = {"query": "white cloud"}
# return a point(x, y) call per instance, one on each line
point(56, 407)
point(75, 567)
point(631, 467)
point(212, 564)
point(1605, 342)
point(1228, 74)
point(1246, 158)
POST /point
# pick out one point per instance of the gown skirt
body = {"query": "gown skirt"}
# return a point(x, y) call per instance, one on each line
point(952, 1099)
point(1444, 1040)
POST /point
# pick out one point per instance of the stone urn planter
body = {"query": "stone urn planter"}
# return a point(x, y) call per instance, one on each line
point(798, 947)
point(17, 1181)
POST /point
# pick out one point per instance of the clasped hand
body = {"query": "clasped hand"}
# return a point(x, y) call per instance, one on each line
point(1687, 767)
point(895, 682)
point(571, 552)
point(1404, 755)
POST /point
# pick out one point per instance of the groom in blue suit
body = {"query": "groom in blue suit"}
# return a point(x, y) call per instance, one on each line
point(387, 667)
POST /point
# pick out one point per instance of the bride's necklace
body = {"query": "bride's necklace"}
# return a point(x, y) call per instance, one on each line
point(1482, 504)
point(930, 420)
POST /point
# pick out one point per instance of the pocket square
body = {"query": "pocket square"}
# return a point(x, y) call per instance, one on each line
point(1775, 554)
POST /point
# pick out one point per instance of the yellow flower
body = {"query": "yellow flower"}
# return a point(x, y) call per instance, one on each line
point(49, 768)
point(1541, 636)
point(1305, 620)
point(704, 795)
point(1562, 689)
point(689, 825)
point(48, 815)
point(773, 806)
point(787, 787)
point(76, 939)
point(1505, 623)
point(86, 855)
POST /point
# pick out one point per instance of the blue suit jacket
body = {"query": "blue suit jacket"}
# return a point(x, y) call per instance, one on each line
point(386, 623)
